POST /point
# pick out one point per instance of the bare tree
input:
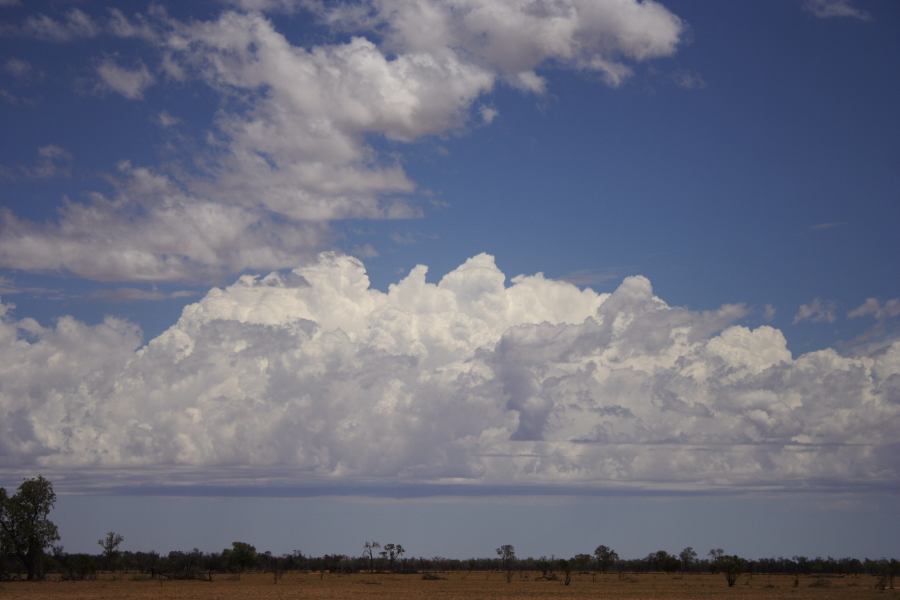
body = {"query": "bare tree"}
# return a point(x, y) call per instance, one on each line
point(369, 550)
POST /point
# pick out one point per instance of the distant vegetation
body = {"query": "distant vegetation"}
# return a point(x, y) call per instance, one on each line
point(27, 551)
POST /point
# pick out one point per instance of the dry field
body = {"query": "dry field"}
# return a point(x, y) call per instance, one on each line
point(475, 585)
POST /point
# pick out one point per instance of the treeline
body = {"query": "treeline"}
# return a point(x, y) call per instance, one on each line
point(28, 546)
point(242, 557)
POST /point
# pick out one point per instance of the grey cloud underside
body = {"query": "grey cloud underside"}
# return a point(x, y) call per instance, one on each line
point(309, 377)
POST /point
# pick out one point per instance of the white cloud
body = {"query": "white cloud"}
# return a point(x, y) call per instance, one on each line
point(152, 230)
point(488, 113)
point(515, 38)
point(817, 311)
point(131, 83)
point(467, 381)
point(291, 148)
point(301, 149)
point(872, 307)
point(768, 312)
point(835, 8)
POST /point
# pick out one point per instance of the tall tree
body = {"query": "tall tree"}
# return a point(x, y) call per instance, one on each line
point(25, 527)
point(369, 550)
point(688, 557)
point(240, 557)
point(110, 544)
point(507, 554)
point(606, 557)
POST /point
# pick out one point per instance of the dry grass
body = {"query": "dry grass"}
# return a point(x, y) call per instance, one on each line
point(455, 585)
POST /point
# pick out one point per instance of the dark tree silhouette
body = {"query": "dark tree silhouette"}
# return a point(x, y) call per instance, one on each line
point(507, 555)
point(25, 527)
point(110, 544)
point(731, 566)
point(606, 557)
point(566, 567)
point(240, 557)
point(688, 557)
point(369, 550)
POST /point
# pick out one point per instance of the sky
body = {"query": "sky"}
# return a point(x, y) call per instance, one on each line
point(444, 270)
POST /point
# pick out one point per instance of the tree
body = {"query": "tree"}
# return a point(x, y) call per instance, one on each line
point(240, 557)
point(25, 527)
point(688, 556)
point(369, 550)
point(110, 544)
point(390, 553)
point(566, 567)
point(731, 566)
point(399, 550)
point(663, 561)
point(606, 557)
point(507, 555)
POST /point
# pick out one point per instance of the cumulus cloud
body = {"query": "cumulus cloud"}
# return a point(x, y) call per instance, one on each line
point(817, 311)
point(471, 380)
point(291, 147)
point(835, 8)
point(514, 38)
point(152, 230)
point(131, 83)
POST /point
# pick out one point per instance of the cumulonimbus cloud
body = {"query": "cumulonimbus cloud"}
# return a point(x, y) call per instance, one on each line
point(471, 380)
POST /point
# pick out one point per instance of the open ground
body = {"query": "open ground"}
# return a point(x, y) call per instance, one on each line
point(449, 586)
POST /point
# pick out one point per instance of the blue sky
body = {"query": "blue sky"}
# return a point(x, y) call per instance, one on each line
point(740, 158)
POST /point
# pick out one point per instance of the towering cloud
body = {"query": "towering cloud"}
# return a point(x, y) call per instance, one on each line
point(472, 379)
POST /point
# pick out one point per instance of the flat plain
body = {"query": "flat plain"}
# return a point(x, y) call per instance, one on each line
point(452, 586)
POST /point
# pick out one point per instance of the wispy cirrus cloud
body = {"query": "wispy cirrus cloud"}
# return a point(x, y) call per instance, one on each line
point(52, 161)
point(131, 294)
point(75, 24)
point(825, 9)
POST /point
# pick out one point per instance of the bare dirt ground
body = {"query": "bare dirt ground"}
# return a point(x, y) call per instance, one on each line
point(652, 586)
